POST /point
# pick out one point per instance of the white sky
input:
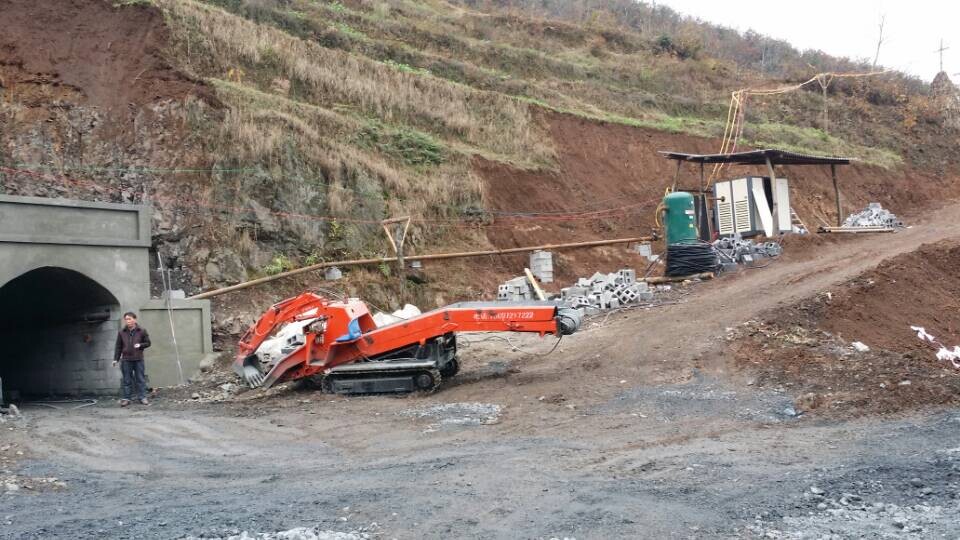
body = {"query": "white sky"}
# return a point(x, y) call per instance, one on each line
point(848, 28)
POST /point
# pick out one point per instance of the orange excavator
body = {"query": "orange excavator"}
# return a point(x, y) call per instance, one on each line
point(339, 343)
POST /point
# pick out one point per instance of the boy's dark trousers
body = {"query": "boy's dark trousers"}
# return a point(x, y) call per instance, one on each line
point(133, 375)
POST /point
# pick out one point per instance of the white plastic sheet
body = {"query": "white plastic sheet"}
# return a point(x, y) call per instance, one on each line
point(951, 355)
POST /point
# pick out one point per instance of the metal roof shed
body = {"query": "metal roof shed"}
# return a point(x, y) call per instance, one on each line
point(768, 157)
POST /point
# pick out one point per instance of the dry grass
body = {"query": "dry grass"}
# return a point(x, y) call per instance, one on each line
point(328, 77)
point(308, 165)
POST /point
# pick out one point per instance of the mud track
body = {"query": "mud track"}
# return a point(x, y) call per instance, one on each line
point(637, 428)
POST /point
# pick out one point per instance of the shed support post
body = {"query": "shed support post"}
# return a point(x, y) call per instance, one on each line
point(836, 193)
point(773, 186)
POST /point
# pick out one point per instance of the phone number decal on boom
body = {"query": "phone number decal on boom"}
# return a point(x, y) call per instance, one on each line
point(486, 316)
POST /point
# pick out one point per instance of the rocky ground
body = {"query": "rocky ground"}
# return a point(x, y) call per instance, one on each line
point(692, 419)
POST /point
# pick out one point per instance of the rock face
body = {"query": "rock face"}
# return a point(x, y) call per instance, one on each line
point(948, 98)
point(91, 109)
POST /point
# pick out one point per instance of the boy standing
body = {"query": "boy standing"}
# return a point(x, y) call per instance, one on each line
point(131, 341)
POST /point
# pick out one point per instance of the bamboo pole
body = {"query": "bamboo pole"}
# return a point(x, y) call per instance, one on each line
point(832, 230)
point(534, 284)
point(671, 279)
point(432, 257)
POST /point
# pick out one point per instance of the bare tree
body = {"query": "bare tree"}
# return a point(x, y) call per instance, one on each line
point(883, 19)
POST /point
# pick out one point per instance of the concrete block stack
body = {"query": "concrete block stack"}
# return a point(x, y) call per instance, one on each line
point(644, 249)
point(874, 215)
point(734, 251)
point(606, 291)
point(541, 266)
point(515, 290)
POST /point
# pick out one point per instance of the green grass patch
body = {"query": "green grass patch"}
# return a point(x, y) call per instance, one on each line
point(350, 31)
point(804, 140)
point(405, 144)
point(406, 68)
point(277, 265)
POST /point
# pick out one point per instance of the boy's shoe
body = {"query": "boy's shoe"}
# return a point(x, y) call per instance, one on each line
point(124, 402)
point(144, 401)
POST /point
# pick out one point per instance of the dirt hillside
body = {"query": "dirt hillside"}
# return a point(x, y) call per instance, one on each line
point(257, 162)
point(87, 52)
point(807, 346)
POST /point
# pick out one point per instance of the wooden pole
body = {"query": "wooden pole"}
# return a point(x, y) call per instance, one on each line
point(836, 193)
point(534, 284)
point(433, 257)
point(673, 279)
point(773, 188)
point(676, 175)
point(701, 178)
point(402, 224)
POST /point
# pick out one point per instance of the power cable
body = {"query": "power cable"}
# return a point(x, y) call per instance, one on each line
point(54, 404)
point(234, 210)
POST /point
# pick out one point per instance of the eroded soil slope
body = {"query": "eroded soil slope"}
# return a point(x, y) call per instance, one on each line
point(807, 346)
point(109, 58)
point(615, 172)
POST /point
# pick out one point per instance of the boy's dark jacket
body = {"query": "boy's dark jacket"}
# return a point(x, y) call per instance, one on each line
point(126, 339)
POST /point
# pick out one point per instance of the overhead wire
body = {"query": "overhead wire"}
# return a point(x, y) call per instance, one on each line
point(186, 206)
point(736, 111)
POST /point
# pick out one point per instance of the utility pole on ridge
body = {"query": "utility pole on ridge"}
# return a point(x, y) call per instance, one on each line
point(940, 50)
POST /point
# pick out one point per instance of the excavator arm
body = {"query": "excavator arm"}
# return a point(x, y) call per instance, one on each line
point(338, 333)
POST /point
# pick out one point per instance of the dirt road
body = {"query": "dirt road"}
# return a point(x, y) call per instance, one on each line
point(633, 428)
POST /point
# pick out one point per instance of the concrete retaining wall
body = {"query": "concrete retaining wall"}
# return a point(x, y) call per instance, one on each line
point(191, 323)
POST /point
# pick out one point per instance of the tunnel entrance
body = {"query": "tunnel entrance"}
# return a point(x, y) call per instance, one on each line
point(58, 329)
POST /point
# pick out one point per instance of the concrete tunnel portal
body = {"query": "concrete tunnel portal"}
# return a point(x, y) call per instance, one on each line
point(68, 272)
point(55, 324)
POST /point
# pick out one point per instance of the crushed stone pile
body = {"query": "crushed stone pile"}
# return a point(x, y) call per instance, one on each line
point(850, 517)
point(456, 414)
point(298, 533)
point(11, 412)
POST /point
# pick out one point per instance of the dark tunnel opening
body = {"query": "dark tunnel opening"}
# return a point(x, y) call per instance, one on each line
point(58, 327)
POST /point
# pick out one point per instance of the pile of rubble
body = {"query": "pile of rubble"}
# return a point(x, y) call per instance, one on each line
point(298, 533)
point(223, 392)
point(849, 516)
point(10, 412)
point(734, 250)
point(456, 415)
point(873, 215)
point(12, 483)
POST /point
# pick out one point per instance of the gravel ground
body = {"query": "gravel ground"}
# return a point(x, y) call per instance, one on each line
point(638, 428)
